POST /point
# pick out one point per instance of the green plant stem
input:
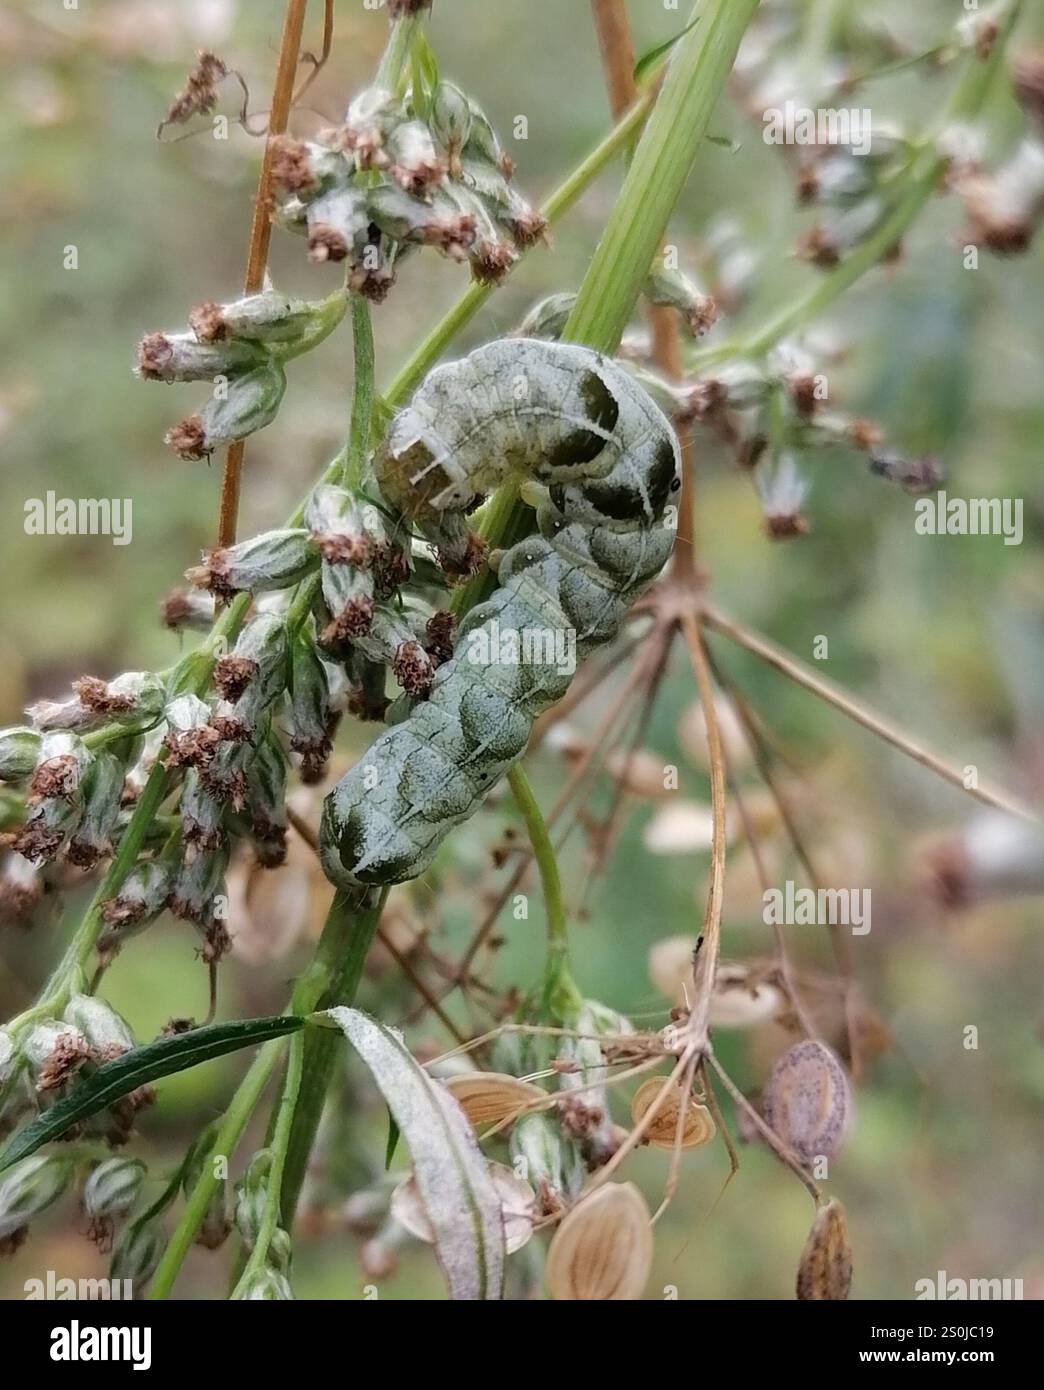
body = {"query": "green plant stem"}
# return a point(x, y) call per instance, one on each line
point(696, 73)
point(561, 998)
point(362, 394)
point(230, 1131)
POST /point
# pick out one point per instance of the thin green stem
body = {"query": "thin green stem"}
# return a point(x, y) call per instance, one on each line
point(362, 394)
point(561, 997)
point(229, 1133)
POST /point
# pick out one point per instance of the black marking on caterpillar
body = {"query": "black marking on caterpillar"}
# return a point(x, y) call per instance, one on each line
point(569, 419)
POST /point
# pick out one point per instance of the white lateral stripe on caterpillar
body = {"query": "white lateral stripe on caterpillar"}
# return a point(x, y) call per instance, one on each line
point(575, 422)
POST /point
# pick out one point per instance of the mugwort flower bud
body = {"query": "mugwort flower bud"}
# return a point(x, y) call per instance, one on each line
point(491, 256)
point(101, 795)
point(266, 317)
point(273, 560)
point(215, 1227)
point(21, 888)
point(305, 169)
point(111, 1189)
point(371, 118)
point(414, 161)
point(335, 520)
point(348, 595)
point(547, 318)
point(451, 122)
point(202, 813)
point(280, 1251)
point(107, 1033)
point(782, 490)
point(1005, 208)
point(255, 672)
point(250, 1197)
point(338, 224)
point(482, 143)
point(135, 697)
point(266, 801)
point(19, 753)
point(173, 357)
point(28, 1189)
point(55, 1051)
point(140, 901)
point(312, 720)
point(198, 896)
point(54, 796)
point(245, 405)
point(190, 739)
point(137, 1253)
point(439, 223)
point(186, 609)
point(550, 1163)
point(266, 1283)
point(676, 291)
point(826, 242)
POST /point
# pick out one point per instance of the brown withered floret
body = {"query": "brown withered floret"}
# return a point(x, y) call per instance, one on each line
point(225, 784)
point(216, 943)
point(372, 283)
point(462, 562)
point(199, 94)
point(315, 754)
point(94, 694)
point(213, 575)
point(231, 729)
point(786, 527)
point(208, 322)
point(339, 549)
point(269, 842)
point(57, 777)
point(122, 912)
point(354, 620)
point(802, 390)
point(528, 228)
point(188, 438)
point(71, 1051)
point(37, 841)
point(291, 166)
point(366, 705)
point(577, 1116)
point(84, 854)
point(18, 902)
point(191, 747)
point(175, 610)
point(491, 261)
point(440, 631)
point(232, 675)
point(391, 567)
point(413, 668)
point(817, 246)
point(326, 243)
point(154, 357)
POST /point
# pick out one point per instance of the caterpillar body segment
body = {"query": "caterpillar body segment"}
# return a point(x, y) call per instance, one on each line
point(574, 422)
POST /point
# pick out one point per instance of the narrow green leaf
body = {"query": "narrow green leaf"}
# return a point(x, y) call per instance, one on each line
point(139, 1067)
point(392, 1142)
point(452, 1176)
point(649, 59)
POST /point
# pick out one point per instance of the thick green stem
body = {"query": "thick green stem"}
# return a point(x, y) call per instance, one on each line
point(699, 65)
point(561, 998)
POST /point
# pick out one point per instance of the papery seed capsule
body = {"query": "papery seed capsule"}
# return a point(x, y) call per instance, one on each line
point(698, 1127)
point(19, 752)
point(108, 1034)
point(602, 1251)
point(807, 1101)
point(26, 1190)
point(825, 1271)
point(247, 404)
point(488, 1097)
point(273, 560)
point(182, 357)
point(137, 1253)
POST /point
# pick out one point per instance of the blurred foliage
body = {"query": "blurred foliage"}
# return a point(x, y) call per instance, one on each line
point(943, 633)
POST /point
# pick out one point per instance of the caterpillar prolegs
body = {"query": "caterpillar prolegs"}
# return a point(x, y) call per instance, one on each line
point(574, 422)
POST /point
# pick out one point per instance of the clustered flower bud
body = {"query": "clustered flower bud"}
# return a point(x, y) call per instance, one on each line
point(133, 699)
point(677, 291)
point(111, 1190)
point(273, 560)
point(27, 1190)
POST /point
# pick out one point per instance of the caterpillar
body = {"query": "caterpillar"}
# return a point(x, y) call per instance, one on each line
point(606, 462)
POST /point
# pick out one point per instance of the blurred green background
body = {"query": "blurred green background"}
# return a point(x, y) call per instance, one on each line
point(944, 634)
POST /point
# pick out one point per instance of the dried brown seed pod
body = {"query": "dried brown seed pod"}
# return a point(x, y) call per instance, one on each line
point(825, 1271)
point(602, 1251)
point(808, 1101)
point(487, 1097)
point(699, 1127)
point(518, 1206)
